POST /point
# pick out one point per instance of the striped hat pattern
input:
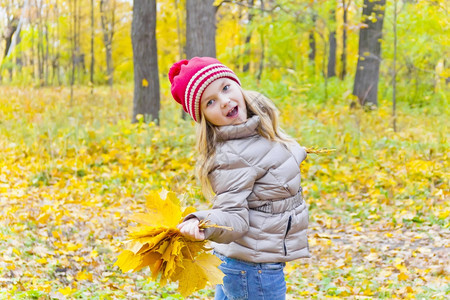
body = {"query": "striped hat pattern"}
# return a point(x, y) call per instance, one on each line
point(190, 78)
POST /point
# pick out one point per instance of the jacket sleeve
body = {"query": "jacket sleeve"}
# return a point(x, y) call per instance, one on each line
point(232, 179)
point(298, 151)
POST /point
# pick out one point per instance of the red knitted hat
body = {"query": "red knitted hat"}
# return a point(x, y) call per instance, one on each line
point(190, 78)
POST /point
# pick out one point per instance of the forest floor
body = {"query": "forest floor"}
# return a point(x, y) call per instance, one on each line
point(72, 174)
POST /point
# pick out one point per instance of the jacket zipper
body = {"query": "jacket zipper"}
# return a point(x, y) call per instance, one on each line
point(287, 231)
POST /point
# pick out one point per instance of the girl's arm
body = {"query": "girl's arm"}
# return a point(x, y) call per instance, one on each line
point(232, 180)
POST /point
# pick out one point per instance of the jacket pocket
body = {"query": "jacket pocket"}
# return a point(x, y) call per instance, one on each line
point(300, 218)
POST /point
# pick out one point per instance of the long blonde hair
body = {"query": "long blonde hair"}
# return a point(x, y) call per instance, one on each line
point(257, 104)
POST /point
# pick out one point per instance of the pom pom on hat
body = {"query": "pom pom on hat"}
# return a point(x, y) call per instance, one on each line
point(190, 78)
point(176, 68)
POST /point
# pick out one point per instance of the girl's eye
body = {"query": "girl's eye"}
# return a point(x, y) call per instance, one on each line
point(226, 88)
point(209, 102)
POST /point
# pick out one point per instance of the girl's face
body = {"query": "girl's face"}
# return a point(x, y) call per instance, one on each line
point(222, 103)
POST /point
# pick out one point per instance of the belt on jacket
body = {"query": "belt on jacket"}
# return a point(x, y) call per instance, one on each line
point(282, 205)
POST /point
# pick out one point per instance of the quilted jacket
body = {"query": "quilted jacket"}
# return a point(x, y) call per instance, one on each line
point(257, 193)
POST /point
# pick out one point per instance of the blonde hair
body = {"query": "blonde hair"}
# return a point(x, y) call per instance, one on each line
point(257, 104)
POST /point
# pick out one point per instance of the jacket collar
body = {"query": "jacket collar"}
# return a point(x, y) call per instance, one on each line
point(246, 129)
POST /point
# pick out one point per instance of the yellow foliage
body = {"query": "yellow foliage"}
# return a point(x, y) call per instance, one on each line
point(68, 174)
point(402, 277)
point(67, 291)
point(73, 247)
point(42, 260)
point(16, 251)
point(158, 244)
point(83, 275)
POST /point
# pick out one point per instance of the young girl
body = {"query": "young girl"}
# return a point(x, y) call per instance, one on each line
point(253, 169)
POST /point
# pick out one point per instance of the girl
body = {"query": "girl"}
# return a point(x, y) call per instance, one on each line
point(253, 170)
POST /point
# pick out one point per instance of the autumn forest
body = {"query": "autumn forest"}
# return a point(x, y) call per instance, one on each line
point(93, 147)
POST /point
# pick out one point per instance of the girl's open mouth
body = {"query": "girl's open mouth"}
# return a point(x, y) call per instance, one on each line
point(233, 112)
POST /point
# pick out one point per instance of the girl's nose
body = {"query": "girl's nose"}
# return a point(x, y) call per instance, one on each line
point(224, 102)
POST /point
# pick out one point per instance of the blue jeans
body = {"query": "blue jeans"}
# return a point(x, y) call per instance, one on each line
point(250, 281)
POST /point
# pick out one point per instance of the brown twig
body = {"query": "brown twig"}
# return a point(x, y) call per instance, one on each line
point(319, 151)
point(204, 224)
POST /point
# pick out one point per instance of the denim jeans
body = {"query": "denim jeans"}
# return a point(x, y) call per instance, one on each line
point(250, 281)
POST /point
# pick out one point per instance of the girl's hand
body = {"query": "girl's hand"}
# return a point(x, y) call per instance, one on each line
point(189, 228)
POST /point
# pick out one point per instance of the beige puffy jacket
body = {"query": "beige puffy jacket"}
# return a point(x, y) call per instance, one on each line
point(258, 194)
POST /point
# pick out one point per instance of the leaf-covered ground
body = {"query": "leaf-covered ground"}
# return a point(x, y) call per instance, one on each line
point(72, 173)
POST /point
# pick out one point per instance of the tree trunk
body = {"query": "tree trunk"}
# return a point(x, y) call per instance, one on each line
point(263, 43)
point(40, 55)
point(200, 28)
point(74, 47)
point(312, 47)
point(45, 41)
point(81, 56)
point(32, 54)
point(331, 70)
point(8, 34)
point(248, 38)
point(13, 38)
point(236, 49)
point(55, 63)
point(146, 98)
point(19, 59)
point(394, 75)
point(180, 43)
point(344, 40)
point(91, 78)
point(107, 16)
point(312, 41)
point(40, 41)
point(47, 54)
point(369, 54)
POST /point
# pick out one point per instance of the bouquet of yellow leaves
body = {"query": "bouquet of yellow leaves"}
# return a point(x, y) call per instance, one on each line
point(157, 243)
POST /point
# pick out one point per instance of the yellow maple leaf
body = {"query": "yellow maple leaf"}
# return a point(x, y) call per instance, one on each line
point(175, 251)
point(83, 275)
point(188, 210)
point(67, 291)
point(156, 268)
point(142, 231)
point(73, 247)
point(42, 260)
point(17, 252)
point(197, 273)
point(191, 278)
point(402, 276)
point(161, 212)
point(144, 82)
point(148, 259)
point(151, 238)
point(210, 265)
point(158, 244)
point(127, 261)
point(192, 248)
